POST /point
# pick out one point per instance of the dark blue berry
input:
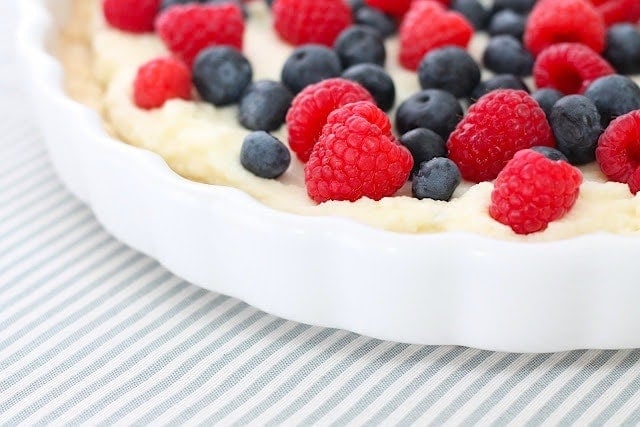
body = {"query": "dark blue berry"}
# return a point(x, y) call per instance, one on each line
point(264, 105)
point(551, 153)
point(475, 13)
point(436, 179)
point(575, 122)
point(373, 18)
point(221, 75)
point(451, 69)
point(520, 6)
point(433, 109)
point(310, 64)
point(546, 98)
point(376, 80)
point(424, 145)
point(264, 155)
point(360, 45)
point(623, 48)
point(507, 22)
point(356, 5)
point(505, 55)
point(500, 81)
point(238, 3)
point(614, 96)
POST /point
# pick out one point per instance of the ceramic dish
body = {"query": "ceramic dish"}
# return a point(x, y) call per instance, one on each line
point(447, 288)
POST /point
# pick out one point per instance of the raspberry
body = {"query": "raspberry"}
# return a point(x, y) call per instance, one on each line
point(563, 21)
point(357, 156)
point(136, 16)
point(160, 80)
point(500, 124)
point(395, 8)
point(618, 151)
point(532, 191)
point(428, 26)
point(616, 11)
point(187, 30)
point(569, 68)
point(311, 107)
point(311, 21)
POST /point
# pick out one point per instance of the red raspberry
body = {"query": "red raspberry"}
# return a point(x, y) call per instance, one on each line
point(569, 68)
point(396, 8)
point(357, 156)
point(188, 29)
point(160, 80)
point(618, 151)
point(312, 106)
point(616, 11)
point(428, 26)
point(532, 191)
point(135, 16)
point(500, 124)
point(311, 21)
point(564, 21)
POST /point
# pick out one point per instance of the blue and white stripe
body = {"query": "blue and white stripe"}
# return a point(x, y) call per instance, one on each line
point(93, 332)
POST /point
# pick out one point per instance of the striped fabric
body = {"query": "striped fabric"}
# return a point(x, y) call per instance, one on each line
point(92, 332)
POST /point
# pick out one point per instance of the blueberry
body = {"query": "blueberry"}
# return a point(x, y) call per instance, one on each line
point(264, 155)
point(424, 145)
point(264, 105)
point(433, 109)
point(451, 69)
point(376, 80)
point(356, 5)
point(310, 64)
point(475, 13)
point(164, 4)
point(221, 74)
point(520, 6)
point(436, 179)
point(238, 3)
point(505, 55)
point(575, 122)
point(507, 22)
point(550, 153)
point(623, 48)
point(614, 96)
point(500, 81)
point(360, 45)
point(546, 98)
point(373, 18)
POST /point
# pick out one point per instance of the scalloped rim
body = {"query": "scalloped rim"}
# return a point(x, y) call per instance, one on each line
point(396, 252)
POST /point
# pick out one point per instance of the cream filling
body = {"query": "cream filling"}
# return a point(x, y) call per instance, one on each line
point(202, 142)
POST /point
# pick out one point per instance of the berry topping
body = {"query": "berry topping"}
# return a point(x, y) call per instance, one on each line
point(373, 18)
point(546, 98)
point(357, 156)
point(614, 96)
point(189, 29)
point(221, 74)
point(310, 64)
point(615, 11)
point(520, 6)
point(618, 151)
point(532, 191)
point(575, 122)
point(424, 145)
point(436, 179)
point(376, 80)
point(311, 107)
point(135, 16)
point(428, 26)
point(396, 8)
point(264, 155)
point(569, 67)
point(451, 69)
point(360, 45)
point(623, 48)
point(563, 21)
point(473, 10)
point(433, 109)
point(311, 21)
point(264, 105)
point(507, 22)
point(505, 54)
point(496, 127)
point(551, 153)
point(500, 81)
point(160, 80)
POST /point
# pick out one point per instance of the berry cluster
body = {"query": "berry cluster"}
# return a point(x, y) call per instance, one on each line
point(334, 91)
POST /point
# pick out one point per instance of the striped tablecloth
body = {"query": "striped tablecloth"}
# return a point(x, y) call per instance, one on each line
point(94, 332)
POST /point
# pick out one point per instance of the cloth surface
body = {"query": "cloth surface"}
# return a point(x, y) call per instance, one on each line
point(94, 332)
